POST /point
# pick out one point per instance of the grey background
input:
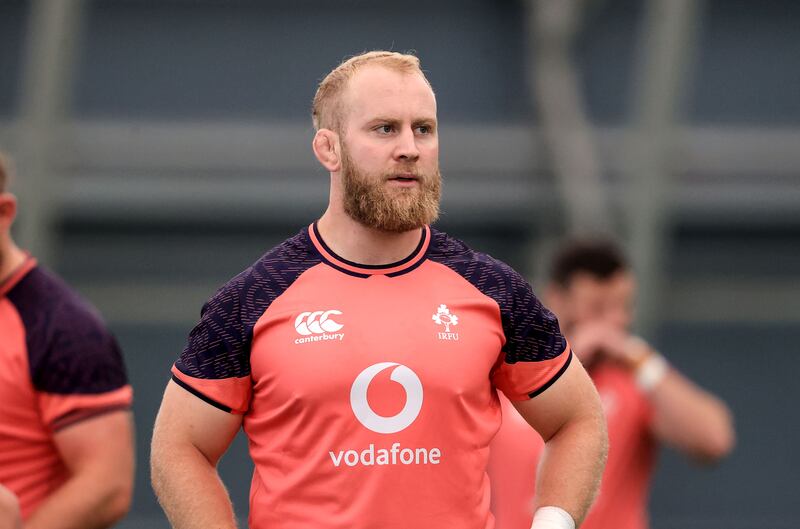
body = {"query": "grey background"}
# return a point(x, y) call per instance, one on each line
point(148, 239)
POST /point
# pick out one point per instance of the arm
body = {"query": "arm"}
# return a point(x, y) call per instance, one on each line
point(9, 510)
point(570, 419)
point(98, 454)
point(685, 416)
point(189, 438)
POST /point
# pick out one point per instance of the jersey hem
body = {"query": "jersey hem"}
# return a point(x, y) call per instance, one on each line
point(201, 396)
point(78, 416)
point(552, 381)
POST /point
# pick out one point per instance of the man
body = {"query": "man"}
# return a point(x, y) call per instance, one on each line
point(362, 355)
point(646, 401)
point(66, 446)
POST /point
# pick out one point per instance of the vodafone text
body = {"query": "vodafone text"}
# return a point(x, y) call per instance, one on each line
point(386, 456)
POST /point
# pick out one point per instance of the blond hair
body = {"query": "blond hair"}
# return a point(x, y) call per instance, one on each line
point(326, 111)
point(5, 172)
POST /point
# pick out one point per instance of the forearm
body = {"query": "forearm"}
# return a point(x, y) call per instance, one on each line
point(571, 466)
point(85, 501)
point(190, 490)
point(691, 419)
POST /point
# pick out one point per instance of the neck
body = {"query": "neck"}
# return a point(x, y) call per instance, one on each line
point(11, 258)
point(358, 243)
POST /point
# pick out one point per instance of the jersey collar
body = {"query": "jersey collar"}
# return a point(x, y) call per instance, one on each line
point(16, 276)
point(362, 270)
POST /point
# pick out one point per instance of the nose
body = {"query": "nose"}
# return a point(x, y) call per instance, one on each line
point(406, 149)
point(619, 317)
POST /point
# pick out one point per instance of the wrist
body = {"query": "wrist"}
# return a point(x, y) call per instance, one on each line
point(650, 371)
point(551, 517)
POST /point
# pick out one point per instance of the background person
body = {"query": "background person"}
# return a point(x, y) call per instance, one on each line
point(647, 402)
point(66, 435)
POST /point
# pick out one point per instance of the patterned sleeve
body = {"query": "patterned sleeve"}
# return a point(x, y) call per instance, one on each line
point(535, 353)
point(76, 366)
point(215, 364)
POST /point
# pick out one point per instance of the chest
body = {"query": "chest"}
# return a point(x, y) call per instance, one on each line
point(323, 335)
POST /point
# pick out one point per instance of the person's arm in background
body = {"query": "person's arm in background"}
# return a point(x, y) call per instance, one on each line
point(98, 454)
point(9, 510)
point(189, 438)
point(569, 417)
point(685, 416)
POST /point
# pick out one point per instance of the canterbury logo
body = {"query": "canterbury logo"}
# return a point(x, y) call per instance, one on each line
point(317, 322)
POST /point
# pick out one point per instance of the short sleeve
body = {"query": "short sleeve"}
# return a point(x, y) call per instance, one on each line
point(77, 368)
point(535, 353)
point(215, 364)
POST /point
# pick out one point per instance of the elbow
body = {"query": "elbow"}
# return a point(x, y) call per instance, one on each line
point(119, 501)
point(114, 502)
point(719, 442)
point(720, 446)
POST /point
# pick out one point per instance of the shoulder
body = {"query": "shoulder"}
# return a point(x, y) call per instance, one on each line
point(48, 306)
point(69, 345)
point(259, 284)
point(490, 275)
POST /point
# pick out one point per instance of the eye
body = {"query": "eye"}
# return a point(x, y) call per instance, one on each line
point(385, 129)
point(424, 129)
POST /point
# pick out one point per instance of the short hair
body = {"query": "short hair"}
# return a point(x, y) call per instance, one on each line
point(6, 170)
point(326, 111)
point(600, 258)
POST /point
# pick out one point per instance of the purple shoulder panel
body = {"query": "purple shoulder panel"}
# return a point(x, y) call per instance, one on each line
point(532, 332)
point(70, 350)
point(219, 345)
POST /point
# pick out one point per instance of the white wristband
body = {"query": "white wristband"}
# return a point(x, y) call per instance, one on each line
point(651, 372)
point(551, 517)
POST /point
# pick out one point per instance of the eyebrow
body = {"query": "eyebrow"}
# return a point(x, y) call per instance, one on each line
point(394, 121)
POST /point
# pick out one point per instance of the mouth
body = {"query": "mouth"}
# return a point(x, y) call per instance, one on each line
point(404, 178)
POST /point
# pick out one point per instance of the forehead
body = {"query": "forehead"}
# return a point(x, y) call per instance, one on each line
point(621, 284)
point(376, 91)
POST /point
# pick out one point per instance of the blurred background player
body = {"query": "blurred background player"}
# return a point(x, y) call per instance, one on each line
point(66, 440)
point(647, 402)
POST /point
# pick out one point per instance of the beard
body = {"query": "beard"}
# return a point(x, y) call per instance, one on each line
point(370, 202)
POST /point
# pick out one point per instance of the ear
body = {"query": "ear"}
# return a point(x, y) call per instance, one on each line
point(8, 210)
point(327, 149)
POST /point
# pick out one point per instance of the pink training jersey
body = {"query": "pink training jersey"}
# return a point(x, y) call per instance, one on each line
point(622, 502)
point(368, 392)
point(60, 366)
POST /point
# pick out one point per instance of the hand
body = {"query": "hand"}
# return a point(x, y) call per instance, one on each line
point(9, 510)
point(594, 339)
point(598, 338)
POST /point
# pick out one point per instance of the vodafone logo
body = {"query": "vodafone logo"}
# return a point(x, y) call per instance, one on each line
point(318, 326)
point(317, 322)
point(392, 452)
point(378, 423)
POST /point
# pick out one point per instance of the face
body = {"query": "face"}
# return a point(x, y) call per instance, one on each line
point(8, 210)
point(589, 299)
point(390, 151)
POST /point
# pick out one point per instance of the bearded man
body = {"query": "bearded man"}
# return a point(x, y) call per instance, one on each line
point(362, 356)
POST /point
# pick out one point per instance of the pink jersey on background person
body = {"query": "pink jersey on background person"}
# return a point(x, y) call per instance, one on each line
point(622, 501)
point(61, 367)
point(647, 403)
